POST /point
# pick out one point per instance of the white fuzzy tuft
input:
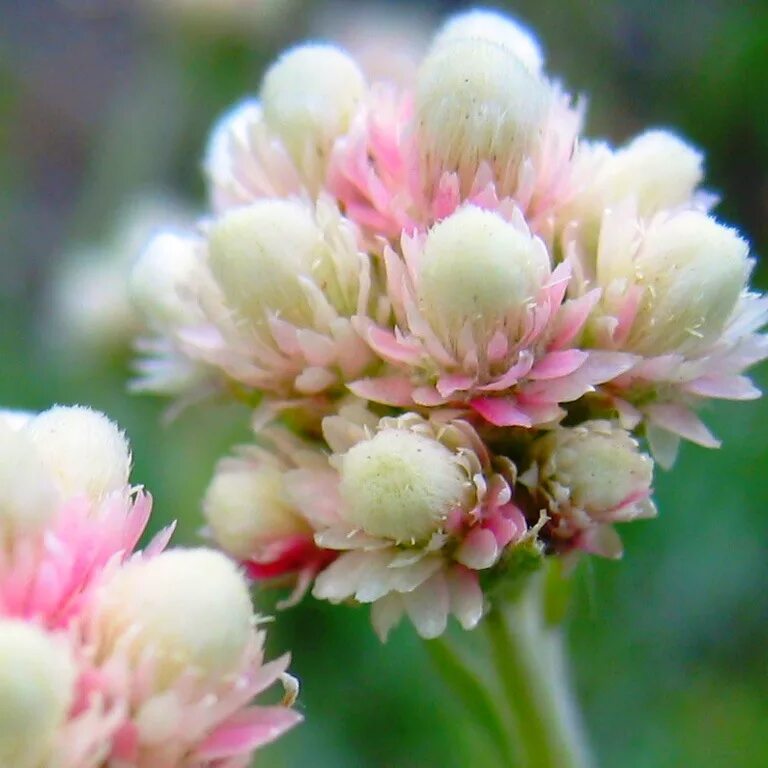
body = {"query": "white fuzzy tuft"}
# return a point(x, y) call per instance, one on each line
point(84, 452)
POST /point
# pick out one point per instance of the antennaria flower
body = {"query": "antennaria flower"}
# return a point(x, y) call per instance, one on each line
point(477, 102)
point(591, 476)
point(493, 27)
point(37, 678)
point(109, 656)
point(309, 97)
point(463, 327)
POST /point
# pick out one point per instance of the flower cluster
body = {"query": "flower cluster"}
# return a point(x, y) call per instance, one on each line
point(460, 324)
point(110, 655)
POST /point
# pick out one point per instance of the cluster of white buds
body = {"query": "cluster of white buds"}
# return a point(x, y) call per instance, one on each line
point(478, 324)
point(109, 655)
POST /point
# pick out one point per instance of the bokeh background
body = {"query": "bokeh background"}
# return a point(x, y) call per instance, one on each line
point(104, 110)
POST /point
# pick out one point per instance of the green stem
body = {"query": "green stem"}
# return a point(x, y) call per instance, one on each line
point(474, 695)
point(529, 662)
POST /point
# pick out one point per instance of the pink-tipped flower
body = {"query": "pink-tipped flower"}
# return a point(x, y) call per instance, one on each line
point(482, 324)
point(251, 515)
point(69, 512)
point(483, 127)
point(673, 293)
point(108, 656)
point(416, 509)
point(273, 301)
point(174, 637)
point(587, 478)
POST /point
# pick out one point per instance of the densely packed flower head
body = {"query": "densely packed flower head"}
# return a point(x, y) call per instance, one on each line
point(463, 327)
point(110, 655)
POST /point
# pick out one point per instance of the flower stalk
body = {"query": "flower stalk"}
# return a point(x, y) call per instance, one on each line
point(528, 656)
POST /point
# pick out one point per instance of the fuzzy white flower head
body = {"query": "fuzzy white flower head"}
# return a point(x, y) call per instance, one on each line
point(37, 678)
point(597, 467)
point(693, 271)
point(479, 270)
point(475, 102)
point(162, 281)
point(309, 96)
point(188, 609)
point(29, 495)
point(247, 507)
point(657, 169)
point(400, 485)
point(259, 254)
point(84, 452)
point(484, 24)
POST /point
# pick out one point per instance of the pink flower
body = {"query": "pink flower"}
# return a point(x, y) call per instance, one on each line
point(483, 324)
point(144, 659)
point(416, 510)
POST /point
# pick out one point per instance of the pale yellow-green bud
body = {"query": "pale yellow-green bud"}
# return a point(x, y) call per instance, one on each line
point(481, 24)
point(188, 608)
point(475, 101)
point(310, 95)
point(83, 451)
point(37, 677)
point(29, 496)
point(400, 485)
point(480, 270)
point(693, 271)
point(258, 255)
point(162, 281)
point(598, 467)
point(657, 169)
point(246, 508)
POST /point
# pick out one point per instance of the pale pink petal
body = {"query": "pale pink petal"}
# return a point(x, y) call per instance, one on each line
point(478, 550)
point(557, 364)
point(724, 387)
point(466, 596)
point(390, 390)
point(502, 412)
point(680, 420)
point(427, 607)
point(248, 730)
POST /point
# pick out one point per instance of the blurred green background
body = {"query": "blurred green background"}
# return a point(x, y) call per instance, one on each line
point(103, 102)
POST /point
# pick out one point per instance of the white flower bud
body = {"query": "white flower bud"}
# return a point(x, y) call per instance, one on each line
point(162, 281)
point(693, 271)
point(400, 485)
point(258, 255)
point(476, 102)
point(599, 467)
point(479, 269)
point(37, 677)
point(84, 452)
point(493, 27)
point(309, 96)
point(657, 169)
point(29, 496)
point(246, 507)
point(189, 609)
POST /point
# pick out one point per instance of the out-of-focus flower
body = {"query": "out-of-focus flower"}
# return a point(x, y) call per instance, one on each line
point(91, 313)
point(107, 655)
point(251, 514)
